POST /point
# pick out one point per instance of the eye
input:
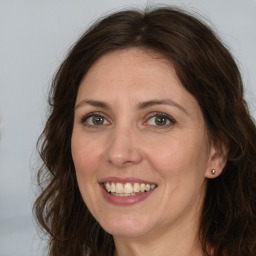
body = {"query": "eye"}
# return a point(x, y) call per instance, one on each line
point(94, 120)
point(161, 120)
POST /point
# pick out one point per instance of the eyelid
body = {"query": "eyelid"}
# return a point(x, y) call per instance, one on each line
point(92, 114)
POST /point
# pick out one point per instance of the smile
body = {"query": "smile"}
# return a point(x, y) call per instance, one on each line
point(127, 189)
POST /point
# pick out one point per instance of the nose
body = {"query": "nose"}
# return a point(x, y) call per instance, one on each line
point(123, 149)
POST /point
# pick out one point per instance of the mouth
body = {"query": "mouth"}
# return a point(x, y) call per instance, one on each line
point(127, 189)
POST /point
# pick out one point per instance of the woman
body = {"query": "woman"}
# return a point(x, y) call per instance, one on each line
point(149, 148)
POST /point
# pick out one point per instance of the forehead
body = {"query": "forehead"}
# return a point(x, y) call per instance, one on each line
point(133, 75)
point(129, 66)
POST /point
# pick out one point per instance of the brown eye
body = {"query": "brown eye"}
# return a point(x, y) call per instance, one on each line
point(95, 120)
point(161, 120)
point(98, 120)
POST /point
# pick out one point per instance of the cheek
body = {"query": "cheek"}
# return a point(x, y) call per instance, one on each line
point(86, 161)
point(181, 165)
point(181, 156)
point(86, 156)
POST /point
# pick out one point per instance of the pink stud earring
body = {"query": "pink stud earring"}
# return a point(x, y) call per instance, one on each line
point(213, 171)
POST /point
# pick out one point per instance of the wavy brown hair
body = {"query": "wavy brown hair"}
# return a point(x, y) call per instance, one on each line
point(208, 71)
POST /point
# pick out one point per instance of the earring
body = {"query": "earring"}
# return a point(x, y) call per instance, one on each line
point(213, 171)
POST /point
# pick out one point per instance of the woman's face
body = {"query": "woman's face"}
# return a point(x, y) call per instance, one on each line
point(139, 145)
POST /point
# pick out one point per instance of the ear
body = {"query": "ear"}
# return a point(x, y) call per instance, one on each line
point(217, 159)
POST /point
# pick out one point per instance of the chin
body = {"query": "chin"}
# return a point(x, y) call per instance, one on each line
point(129, 227)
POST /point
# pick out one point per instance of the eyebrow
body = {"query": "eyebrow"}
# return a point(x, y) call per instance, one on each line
point(94, 103)
point(169, 102)
point(140, 106)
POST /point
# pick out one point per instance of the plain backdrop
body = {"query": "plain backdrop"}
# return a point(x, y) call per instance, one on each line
point(34, 38)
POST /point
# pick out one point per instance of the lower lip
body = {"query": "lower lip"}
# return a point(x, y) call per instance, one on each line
point(125, 200)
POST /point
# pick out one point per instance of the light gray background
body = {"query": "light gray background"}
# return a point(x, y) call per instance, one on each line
point(34, 38)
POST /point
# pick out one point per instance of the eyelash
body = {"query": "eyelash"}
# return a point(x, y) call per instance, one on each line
point(171, 120)
point(93, 114)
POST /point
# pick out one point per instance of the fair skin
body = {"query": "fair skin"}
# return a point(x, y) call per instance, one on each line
point(135, 123)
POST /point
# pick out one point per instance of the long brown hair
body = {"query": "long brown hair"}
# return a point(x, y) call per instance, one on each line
point(207, 70)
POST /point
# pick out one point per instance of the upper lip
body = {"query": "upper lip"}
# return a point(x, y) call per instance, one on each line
point(125, 180)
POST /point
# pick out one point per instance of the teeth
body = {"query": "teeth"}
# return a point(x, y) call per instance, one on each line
point(113, 188)
point(108, 187)
point(152, 186)
point(147, 187)
point(136, 187)
point(127, 189)
point(116, 194)
point(119, 188)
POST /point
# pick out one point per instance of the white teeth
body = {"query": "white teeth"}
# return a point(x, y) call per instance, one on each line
point(136, 187)
point(127, 189)
point(108, 187)
point(142, 187)
point(116, 194)
point(113, 188)
point(147, 187)
point(119, 188)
